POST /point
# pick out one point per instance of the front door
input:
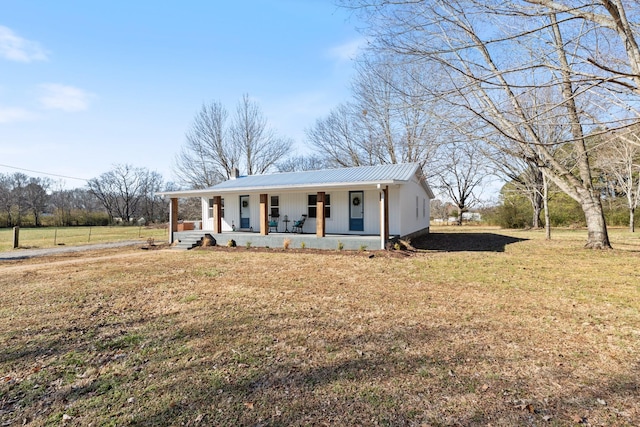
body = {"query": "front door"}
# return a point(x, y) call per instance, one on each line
point(356, 211)
point(245, 217)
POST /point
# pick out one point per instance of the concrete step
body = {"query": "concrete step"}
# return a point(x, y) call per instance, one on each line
point(185, 244)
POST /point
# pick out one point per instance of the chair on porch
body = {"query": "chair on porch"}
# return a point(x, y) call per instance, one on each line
point(297, 225)
point(273, 223)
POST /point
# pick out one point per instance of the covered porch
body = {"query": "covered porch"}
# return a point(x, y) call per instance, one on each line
point(260, 231)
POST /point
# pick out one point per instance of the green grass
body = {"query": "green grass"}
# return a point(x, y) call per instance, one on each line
point(47, 237)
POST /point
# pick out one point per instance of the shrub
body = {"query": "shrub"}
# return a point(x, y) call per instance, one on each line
point(286, 243)
point(231, 243)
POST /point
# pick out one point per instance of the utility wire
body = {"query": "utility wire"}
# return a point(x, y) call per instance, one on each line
point(44, 173)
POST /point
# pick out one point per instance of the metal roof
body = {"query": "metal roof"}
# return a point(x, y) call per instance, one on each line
point(360, 174)
point(338, 177)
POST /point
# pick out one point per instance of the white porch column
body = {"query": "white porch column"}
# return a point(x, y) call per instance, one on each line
point(384, 216)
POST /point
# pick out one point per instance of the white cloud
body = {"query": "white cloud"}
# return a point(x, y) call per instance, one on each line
point(65, 98)
point(15, 48)
point(348, 51)
point(15, 114)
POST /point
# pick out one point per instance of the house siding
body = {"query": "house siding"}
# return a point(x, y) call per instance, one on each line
point(410, 221)
point(402, 210)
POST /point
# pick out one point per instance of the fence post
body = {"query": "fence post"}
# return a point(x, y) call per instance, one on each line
point(16, 237)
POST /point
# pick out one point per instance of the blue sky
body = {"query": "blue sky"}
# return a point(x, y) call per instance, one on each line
point(88, 84)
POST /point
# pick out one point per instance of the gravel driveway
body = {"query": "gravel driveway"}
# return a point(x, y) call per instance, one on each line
point(32, 253)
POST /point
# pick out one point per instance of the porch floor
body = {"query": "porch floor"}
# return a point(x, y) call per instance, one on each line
point(276, 239)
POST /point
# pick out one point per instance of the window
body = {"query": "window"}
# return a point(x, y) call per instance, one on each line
point(417, 211)
point(275, 206)
point(211, 213)
point(424, 208)
point(312, 200)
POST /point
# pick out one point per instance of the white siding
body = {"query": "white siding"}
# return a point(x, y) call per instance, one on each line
point(410, 222)
point(402, 210)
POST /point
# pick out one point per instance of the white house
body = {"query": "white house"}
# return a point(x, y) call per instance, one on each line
point(384, 200)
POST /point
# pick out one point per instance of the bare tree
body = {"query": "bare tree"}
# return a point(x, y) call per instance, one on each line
point(339, 139)
point(6, 198)
point(388, 120)
point(301, 163)
point(526, 178)
point(152, 206)
point(488, 52)
point(461, 174)
point(207, 157)
point(619, 160)
point(122, 189)
point(398, 120)
point(36, 197)
point(259, 144)
point(215, 148)
point(19, 182)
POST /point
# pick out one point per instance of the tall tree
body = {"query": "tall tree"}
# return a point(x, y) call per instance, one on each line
point(207, 157)
point(122, 190)
point(461, 175)
point(259, 144)
point(618, 159)
point(36, 197)
point(215, 146)
point(487, 51)
point(6, 198)
point(388, 120)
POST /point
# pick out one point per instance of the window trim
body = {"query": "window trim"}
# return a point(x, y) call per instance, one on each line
point(312, 207)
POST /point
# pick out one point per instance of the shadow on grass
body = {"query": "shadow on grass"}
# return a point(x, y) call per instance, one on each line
point(461, 242)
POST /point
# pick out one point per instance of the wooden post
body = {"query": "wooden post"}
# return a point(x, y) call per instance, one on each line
point(320, 218)
point(16, 237)
point(173, 218)
point(264, 214)
point(384, 217)
point(217, 214)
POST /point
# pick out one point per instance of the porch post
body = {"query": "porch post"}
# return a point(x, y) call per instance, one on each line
point(173, 218)
point(264, 214)
point(320, 219)
point(384, 217)
point(217, 214)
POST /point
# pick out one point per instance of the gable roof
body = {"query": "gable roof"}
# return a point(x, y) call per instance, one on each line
point(326, 178)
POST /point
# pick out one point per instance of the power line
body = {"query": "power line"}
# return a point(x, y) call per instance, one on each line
point(43, 173)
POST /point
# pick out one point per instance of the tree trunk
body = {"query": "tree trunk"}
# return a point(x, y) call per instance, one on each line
point(632, 220)
point(545, 201)
point(537, 209)
point(598, 237)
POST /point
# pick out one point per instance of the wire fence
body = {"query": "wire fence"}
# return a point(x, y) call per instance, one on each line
point(43, 237)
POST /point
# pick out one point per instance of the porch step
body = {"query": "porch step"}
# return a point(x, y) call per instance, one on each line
point(186, 243)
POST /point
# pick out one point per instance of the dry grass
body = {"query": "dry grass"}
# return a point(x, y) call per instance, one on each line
point(47, 237)
point(517, 331)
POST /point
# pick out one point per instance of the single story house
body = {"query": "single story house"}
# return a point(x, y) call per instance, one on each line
point(385, 200)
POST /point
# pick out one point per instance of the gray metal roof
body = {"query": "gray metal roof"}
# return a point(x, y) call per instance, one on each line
point(326, 178)
point(361, 174)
